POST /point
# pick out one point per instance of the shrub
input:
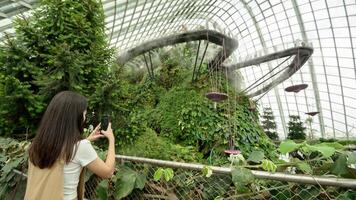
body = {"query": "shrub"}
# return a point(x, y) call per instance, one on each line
point(268, 124)
point(149, 145)
point(296, 130)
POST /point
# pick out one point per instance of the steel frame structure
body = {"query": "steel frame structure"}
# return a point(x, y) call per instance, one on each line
point(261, 27)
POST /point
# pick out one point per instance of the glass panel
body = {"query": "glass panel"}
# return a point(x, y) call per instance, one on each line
point(258, 25)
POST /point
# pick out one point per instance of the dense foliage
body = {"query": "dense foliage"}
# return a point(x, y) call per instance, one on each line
point(296, 129)
point(164, 115)
point(61, 46)
point(178, 110)
point(319, 159)
point(67, 50)
point(149, 145)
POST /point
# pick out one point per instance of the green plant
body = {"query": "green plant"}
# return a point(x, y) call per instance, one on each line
point(296, 130)
point(127, 181)
point(163, 173)
point(169, 111)
point(241, 177)
point(321, 158)
point(185, 116)
point(149, 145)
point(268, 165)
point(249, 134)
point(66, 50)
point(268, 123)
point(200, 125)
point(177, 110)
point(207, 171)
point(101, 191)
point(13, 155)
point(169, 74)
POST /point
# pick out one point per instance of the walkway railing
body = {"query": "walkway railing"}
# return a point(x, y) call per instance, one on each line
point(189, 182)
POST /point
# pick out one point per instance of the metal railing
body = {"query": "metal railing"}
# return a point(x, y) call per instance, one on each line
point(189, 182)
point(304, 179)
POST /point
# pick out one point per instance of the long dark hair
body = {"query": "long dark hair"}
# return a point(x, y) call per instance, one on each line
point(59, 131)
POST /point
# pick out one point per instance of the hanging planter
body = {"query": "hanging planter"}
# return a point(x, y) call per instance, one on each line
point(296, 88)
point(232, 152)
point(216, 96)
point(238, 98)
point(312, 113)
point(252, 106)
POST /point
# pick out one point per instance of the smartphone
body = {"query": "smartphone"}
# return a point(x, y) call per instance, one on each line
point(104, 122)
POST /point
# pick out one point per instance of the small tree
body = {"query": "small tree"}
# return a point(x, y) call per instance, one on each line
point(296, 130)
point(269, 124)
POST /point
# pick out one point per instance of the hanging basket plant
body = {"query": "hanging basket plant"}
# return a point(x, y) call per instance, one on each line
point(232, 151)
point(296, 88)
point(312, 113)
point(216, 96)
point(252, 106)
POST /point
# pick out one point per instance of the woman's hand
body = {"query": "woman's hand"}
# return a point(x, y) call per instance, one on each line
point(108, 133)
point(95, 134)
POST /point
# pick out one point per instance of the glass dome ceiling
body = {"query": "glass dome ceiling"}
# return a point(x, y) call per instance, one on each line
point(261, 27)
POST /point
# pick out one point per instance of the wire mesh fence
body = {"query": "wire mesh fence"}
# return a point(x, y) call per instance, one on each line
point(190, 183)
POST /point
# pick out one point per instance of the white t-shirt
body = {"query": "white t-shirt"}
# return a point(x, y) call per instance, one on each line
point(85, 155)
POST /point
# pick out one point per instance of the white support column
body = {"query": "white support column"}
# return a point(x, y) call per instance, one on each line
point(311, 69)
point(279, 103)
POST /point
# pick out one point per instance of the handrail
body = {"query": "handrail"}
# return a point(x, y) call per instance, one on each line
point(296, 178)
point(230, 44)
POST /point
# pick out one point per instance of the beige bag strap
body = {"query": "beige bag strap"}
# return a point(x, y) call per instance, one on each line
point(81, 184)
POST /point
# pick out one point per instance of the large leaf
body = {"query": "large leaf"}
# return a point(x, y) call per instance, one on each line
point(256, 156)
point(288, 146)
point(305, 167)
point(340, 165)
point(101, 192)
point(168, 174)
point(347, 195)
point(351, 158)
point(158, 174)
point(336, 145)
point(326, 151)
point(241, 176)
point(140, 181)
point(207, 171)
point(125, 185)
point(268, 165)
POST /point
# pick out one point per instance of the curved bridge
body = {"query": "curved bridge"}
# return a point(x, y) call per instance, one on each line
point(229, 44)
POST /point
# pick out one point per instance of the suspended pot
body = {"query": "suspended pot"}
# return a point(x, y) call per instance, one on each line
point(232, 152)
point(312, 113)
point(252, 106)
point(252, 109)
point(216, 96)
point(296, 88)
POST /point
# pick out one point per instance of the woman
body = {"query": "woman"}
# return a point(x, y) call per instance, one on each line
point(58, 154)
